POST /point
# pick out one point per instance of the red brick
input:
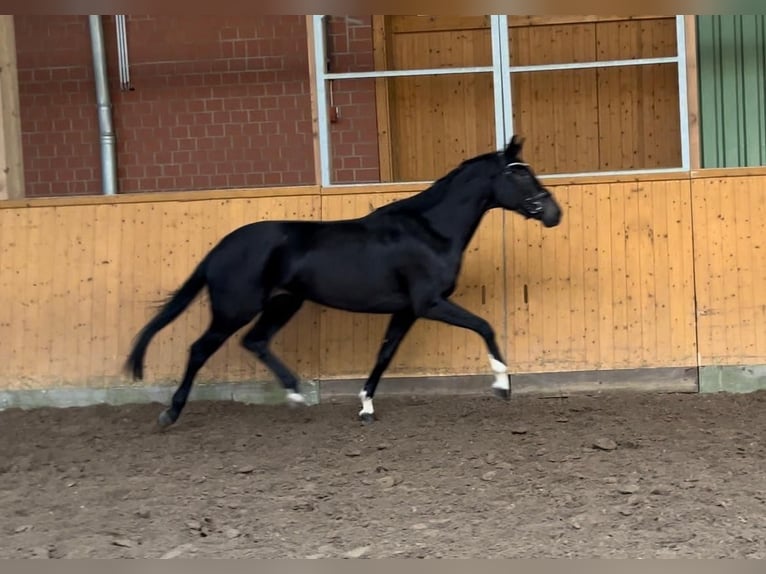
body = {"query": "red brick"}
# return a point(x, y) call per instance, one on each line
point(195, 91)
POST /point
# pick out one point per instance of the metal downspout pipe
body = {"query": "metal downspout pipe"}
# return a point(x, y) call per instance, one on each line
point(106, 131)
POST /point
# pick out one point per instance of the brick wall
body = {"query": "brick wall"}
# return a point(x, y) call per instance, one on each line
point(58, 106)
point(353, 137)
point(219, 102)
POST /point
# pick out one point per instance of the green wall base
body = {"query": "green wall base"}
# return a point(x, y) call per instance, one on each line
point(732, 379)
point(250, 392)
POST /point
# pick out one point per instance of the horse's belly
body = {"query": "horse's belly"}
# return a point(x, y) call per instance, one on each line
point(350, 288)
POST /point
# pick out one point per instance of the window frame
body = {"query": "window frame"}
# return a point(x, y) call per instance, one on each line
point(502, 72)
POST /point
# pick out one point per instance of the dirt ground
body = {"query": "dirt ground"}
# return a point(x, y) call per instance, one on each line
point(621, 475)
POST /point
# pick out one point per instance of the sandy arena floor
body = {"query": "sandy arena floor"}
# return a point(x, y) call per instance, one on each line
point(622, 475)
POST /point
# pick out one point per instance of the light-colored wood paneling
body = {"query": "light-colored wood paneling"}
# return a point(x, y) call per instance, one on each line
point(597, 119)
point(574, 120)
point(610, 288)
point(524, 21)
point(350, 342)
point(414, 24)
point(381, 49)
point(437, 121)
point(692, 91)
point(78, 282)
point(730, 260)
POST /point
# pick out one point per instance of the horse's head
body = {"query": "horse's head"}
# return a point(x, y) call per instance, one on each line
point(518, 189)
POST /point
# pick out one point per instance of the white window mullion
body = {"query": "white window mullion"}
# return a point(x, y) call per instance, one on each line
point(323, 122)
point(683, 101)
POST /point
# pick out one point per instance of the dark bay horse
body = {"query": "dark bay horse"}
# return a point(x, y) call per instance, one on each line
point(402, 259)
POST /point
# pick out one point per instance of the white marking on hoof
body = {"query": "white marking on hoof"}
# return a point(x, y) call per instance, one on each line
point(366, 404)
point(294, 398)
point(501, 374)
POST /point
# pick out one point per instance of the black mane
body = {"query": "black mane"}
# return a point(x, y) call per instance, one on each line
point(462, 174)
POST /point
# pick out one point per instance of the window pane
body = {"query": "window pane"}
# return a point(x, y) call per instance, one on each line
point(556, 40)
point(599, 119)
point(409, 129)
point(219, 102)
point(366, 43)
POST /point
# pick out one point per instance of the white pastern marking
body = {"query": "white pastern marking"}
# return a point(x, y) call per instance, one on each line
point(501, 374)
point(366, 404)
point(295, 398)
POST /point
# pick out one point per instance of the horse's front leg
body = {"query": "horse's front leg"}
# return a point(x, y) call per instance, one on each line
point(448, 312)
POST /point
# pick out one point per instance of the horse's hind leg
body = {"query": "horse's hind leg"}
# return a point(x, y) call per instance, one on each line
point(276, 313)
point(200, 351)
point(398, 327)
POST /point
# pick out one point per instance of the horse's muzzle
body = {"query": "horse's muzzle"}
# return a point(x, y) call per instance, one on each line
point(551, 213)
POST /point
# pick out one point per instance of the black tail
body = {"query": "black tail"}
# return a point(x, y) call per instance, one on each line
point(172, 308)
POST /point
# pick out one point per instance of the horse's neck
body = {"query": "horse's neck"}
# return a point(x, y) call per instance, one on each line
point(458, 215)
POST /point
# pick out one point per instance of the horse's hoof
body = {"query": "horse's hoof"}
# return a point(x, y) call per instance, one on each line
point(296, 400)
point(165, 419)
point(367, 418)
point(502, 393)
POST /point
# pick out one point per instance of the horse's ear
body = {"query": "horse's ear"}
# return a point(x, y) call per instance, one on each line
point(513, 149)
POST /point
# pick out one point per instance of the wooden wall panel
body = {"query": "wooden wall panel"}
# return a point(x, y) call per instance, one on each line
point(605, 119)
point(730, 259)
point(77, 282)
point(610, 288)
point(438, 121)
point(613, 287)
point(350, 342)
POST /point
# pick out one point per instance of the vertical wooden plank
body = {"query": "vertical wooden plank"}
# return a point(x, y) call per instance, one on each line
point(381, 41)
point(590, 285)
point(608, 272)
point(518, 272)
point(11, 157)
point(635, 347)
point(6, 285)
point(662, 194)
point(63, 344)
point(15, 239)
point(157, 222)
point(47, 269)
point(692, 91)
point(538, 297)
point(140, 285)
point(28, 291)
point(99, 272)
point(558, 295)
point(126, 295)
point(112, 228)
point(686, 259)
point(620, 269)
point(81, 263)
point(647, 277)
point(714, 235)
point(729, 267)
point(743, 242)
point(702, 278)
point(757, 209)
point(314, 101)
